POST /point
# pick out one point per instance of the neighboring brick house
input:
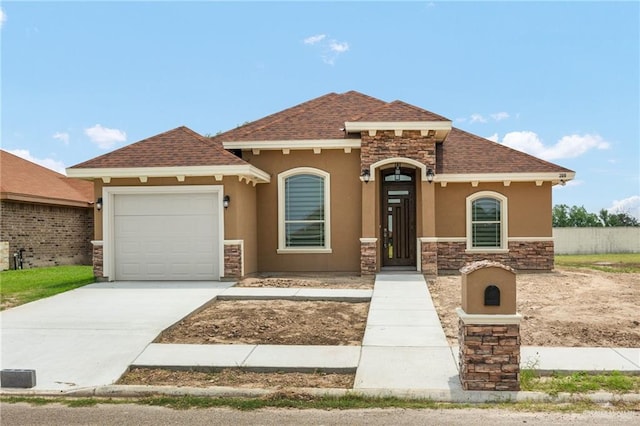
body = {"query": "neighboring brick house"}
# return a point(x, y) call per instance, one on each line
point(45, 213)
point(341, 183)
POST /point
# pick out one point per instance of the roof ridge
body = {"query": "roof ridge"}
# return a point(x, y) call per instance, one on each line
point(126, 147)
point(282, 115)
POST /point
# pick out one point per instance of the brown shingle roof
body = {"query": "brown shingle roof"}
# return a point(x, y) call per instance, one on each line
point(398, 111)
point(463, 152)
point(180, 147)
point(319, 118)
point(23, 180)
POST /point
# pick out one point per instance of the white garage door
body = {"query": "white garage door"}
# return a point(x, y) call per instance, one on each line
point(166, 237)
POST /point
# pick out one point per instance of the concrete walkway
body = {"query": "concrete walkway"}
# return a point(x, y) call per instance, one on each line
point(89, 336)
point(404, 346)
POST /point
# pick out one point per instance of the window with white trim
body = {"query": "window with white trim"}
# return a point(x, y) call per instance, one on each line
point(303, 211)
point(486, 221)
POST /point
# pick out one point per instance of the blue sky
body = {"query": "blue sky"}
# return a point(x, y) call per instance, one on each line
point(558, 80)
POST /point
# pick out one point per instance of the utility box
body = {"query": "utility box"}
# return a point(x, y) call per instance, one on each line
point(488, 288)
point(13, 378)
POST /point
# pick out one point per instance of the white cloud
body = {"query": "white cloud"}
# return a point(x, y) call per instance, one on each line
point(49, 163)
point(630, 205)
point(477, 118)
point(337, 47)
point(62, 136)
point(314, 39)
point(104, 137)
point(493, 137)
point(570, 146)
point(499, 116)
point(3, 17)
point(330, 49)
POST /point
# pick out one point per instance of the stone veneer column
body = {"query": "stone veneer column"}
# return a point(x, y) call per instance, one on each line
point(233, 261)
point(489, 352)
point(5, 263)
point(98, 262)
point(428, 257)
point(368, 256)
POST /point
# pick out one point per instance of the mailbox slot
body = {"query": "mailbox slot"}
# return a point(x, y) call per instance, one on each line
point(492, 296)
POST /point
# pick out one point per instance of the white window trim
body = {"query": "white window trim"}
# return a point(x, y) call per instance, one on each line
point(504, 215)
point(282, 246)
point(108, 218)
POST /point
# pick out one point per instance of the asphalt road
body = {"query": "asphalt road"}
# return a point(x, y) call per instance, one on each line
point(120, 415)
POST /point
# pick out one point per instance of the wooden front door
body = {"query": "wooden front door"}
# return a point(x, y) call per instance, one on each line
point(398, 217)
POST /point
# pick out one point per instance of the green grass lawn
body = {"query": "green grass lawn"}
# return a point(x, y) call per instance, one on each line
point(26, 285)
point(615, 262)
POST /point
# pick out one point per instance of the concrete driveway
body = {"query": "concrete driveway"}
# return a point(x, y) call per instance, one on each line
point(89, 336)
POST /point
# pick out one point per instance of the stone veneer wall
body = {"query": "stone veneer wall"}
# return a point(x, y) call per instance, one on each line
point(232, 260)
point(51, 235)
point(522, 255)
point(385, 144)
point(368, 258)
point(489, 356)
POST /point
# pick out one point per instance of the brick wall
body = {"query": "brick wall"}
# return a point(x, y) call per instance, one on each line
point(522, 255)
point(51, 235)
point(385, 144)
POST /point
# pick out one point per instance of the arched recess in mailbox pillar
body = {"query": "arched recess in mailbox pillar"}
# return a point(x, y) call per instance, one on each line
point(480, 278)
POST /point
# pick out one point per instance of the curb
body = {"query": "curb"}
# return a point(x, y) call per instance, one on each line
point(435, 395)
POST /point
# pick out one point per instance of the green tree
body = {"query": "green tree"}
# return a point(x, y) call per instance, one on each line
point(577, 216)
point(580, 217)
point(560, 216)
point(617, 219)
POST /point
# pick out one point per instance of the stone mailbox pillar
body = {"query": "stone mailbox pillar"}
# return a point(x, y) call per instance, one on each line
point(489, 334)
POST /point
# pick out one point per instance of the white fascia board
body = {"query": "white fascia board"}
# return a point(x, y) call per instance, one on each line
point(502, 177)
point(247, 170)
point(294, 144)
point(360, 126)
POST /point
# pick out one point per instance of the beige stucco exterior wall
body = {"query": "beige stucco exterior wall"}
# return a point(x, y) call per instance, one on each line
point(346, 202)
point(240, 221)
point(529, 208)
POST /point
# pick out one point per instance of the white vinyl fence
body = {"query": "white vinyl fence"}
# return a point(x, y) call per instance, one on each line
point(623, 239)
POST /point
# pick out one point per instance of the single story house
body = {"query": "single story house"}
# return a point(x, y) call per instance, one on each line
point(45, 213)
point(341, 183)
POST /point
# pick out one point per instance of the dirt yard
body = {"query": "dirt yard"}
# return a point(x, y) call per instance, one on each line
point(236, 378)
point(272, 322)
point(568, 307)
point(301, 281)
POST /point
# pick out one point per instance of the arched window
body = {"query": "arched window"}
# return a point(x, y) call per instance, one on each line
point(303, 211)
point(486, 221)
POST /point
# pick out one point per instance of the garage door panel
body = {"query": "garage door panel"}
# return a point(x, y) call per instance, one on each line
point(166, 236)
